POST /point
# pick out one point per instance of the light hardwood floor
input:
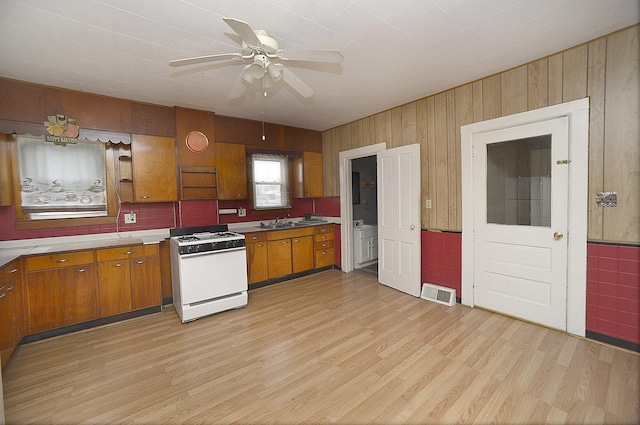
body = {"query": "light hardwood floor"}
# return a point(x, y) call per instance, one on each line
point(326, 348)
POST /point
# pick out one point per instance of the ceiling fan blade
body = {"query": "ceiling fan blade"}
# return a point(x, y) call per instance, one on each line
point(297, 84)
point(239, 88)
point(207, 58)
point(329, 56)
point(244, 30)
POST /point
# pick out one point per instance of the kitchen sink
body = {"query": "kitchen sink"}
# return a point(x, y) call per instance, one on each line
point(276, 225)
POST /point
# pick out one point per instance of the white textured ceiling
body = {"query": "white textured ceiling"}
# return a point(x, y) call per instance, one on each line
point(395, 51)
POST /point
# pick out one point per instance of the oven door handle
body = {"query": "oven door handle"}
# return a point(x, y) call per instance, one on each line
point(220, 251)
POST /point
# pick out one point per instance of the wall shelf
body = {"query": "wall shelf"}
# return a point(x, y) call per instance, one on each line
point(198, 183)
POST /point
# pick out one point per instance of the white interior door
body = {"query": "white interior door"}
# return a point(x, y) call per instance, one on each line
point(399, 218)
point(521, 194)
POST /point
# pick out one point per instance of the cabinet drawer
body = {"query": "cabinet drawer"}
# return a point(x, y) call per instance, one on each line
point(324, 258)
point(255, 237)
point(325, 228)
point(323, 245)
point(53, 261)
point(274, 235)
point(322, 237)
point(124, 252)
point(9, 272)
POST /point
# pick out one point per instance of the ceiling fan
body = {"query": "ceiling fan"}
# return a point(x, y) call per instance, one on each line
point(264, 60)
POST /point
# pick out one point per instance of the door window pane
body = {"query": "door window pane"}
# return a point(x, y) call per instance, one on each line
point(519, 182)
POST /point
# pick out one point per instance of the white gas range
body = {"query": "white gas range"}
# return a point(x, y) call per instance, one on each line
point(208, 271)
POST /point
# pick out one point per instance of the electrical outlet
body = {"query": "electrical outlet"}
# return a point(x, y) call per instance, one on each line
point(242, 212)
point(427, 203)
point(130, 218)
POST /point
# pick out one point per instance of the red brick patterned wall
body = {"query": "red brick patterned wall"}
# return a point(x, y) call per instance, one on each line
point(613, 290)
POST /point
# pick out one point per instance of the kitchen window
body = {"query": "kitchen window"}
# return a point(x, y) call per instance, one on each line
point(270, 181)
point(62, 181)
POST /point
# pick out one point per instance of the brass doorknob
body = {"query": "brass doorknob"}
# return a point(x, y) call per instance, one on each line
point(558, 235)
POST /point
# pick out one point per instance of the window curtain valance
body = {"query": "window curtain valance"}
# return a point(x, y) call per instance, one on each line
point(27, 128)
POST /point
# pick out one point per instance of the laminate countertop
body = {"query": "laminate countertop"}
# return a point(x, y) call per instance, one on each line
point(12, 250)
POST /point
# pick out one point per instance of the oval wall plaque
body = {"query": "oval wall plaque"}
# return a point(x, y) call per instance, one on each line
point(197, 142)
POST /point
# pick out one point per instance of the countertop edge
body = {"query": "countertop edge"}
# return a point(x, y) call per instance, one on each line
point(12, 250)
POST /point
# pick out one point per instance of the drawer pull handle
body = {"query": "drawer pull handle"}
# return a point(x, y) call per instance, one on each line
point(118, 265)
point(2, 287)
point(129, 252)
point(140, 262)
point(3, 295)
point(259, 245)
point(145, 197)
point(13, 271)
point(285, 242)
point(64, 260)
point(9, 288)
point(81, 270)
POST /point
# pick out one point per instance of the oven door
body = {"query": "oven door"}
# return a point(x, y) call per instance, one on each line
point(208, 275)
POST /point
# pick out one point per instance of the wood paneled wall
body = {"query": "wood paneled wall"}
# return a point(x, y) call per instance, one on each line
point(605, 69)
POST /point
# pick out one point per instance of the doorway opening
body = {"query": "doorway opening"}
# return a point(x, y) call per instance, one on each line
point(357, 167)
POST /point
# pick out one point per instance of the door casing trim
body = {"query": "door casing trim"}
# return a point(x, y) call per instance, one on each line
point(346, 208)
point(577, 112)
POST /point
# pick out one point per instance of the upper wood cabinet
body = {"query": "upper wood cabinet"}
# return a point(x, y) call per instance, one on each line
point(6, 187)
point(154, 168)
point(232, 171)
point(308, 176)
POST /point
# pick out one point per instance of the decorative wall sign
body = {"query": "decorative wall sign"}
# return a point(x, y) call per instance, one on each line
point(61, 129)
point(606, 199)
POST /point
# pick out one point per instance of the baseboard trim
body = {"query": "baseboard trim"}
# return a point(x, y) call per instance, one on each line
point(628, 345)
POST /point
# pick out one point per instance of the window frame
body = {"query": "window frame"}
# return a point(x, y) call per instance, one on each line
point(24, 222)
point(287, 194)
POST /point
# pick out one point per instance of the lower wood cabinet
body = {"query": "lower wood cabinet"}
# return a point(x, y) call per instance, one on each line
point(302, 253)
point(61, 296)
point(276, 253)
point(128, 278)
point(324, 250)
point(74, 287)
point(280, 258)
point(11, 309)
point(257, 257)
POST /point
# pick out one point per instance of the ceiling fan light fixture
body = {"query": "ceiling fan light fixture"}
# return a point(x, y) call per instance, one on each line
point(275, 71)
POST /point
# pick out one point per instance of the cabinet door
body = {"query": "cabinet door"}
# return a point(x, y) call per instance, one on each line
point(279, 253)
point(232, 171)
point(308, 176)
point(146, 288)
point(302, 252)
point(257, 262)
point(11, 308)
point(6, 178)
point(154, 168)
point(62, 297)
point(114, 287)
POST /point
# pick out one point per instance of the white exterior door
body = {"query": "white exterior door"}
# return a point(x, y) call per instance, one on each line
point(521, 195)
point(399, 218)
